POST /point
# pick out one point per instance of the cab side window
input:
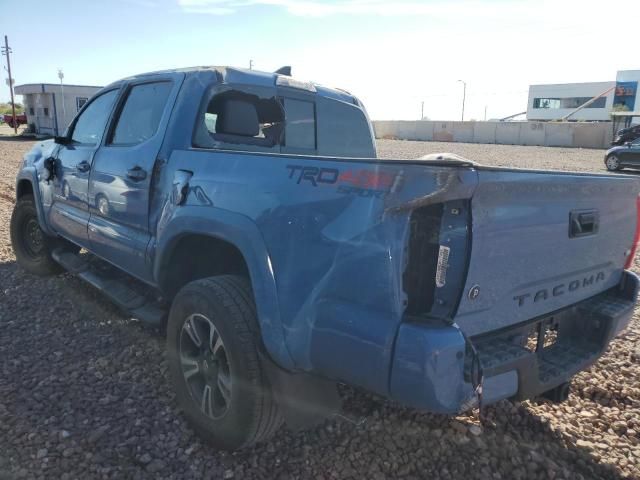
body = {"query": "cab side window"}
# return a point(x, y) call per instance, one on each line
point(300, 131)
point(140, 116)
point(90, 125)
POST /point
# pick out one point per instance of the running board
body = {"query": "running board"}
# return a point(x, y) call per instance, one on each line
point(129, 294)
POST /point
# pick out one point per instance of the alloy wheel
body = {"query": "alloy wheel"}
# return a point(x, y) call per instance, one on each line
point(205, 365)
point(613, 163)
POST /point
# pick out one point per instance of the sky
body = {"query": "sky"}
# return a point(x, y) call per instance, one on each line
point(393, 55)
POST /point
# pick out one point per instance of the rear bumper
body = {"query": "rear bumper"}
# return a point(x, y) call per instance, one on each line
point(431, 366)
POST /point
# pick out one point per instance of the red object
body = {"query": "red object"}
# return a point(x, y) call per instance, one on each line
point(20, 119)
point(636, 237)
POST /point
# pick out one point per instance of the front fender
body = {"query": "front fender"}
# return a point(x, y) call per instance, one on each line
point(244, 234)
point(30, 174)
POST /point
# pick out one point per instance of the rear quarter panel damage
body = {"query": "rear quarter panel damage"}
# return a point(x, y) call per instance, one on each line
point(332, 235)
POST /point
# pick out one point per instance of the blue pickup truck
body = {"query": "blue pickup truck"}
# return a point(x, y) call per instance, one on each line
point(247, 214)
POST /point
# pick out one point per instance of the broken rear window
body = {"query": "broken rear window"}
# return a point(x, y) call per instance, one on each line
point(234, 117)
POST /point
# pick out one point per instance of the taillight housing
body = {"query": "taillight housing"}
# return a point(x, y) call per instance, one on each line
point(636, 237)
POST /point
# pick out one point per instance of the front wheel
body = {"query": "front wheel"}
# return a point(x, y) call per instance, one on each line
point(213, 352)
point(612, 163)
point(31, 245)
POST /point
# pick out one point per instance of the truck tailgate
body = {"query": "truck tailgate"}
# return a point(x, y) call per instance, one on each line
point(542, 241)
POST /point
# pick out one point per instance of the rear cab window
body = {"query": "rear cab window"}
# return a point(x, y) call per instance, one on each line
point(239, 118)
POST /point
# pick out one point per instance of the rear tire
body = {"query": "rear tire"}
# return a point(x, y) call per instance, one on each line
point(31, 245)
point(213, 344)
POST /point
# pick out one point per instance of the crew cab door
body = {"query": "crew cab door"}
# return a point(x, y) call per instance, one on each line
point(121, 175)
point(69, 213)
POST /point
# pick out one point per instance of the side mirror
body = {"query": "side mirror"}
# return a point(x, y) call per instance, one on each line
point(62, 140)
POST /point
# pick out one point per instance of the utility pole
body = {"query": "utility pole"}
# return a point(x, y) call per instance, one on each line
point(464, 96)
point(6, 50)
point(250, 64)
point(64, 110)
point(422, 111)
point(485, 113)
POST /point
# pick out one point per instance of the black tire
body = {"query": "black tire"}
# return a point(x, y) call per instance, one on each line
point(246, 412)
point(31, 245)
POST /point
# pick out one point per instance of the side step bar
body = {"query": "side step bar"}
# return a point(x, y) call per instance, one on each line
point(127, 293)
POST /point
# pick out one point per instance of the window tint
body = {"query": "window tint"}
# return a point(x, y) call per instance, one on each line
point(300, 130)
point(90, 125)
point(141, 113)
point(343, 129)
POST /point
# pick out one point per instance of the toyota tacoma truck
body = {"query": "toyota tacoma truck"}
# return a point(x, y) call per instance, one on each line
point(246, 214)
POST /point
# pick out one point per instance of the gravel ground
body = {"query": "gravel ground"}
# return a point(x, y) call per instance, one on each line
point(574, 159)
point(84, 392)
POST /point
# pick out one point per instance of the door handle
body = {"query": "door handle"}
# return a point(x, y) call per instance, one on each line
point(83, 166)
point(136, 173)
point(583, 223)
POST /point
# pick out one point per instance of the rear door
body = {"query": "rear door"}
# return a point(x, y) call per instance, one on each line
point(542, 241)
point(69, 213)
point(122, 171)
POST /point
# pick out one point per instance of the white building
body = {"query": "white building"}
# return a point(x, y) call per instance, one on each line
point(50, 107)
point(553, 102)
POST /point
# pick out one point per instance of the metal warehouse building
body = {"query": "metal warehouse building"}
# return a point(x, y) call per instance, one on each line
point(50, 107)
point(553, 102)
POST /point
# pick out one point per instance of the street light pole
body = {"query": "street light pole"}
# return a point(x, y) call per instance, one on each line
point(64, 110)
point(464, 96)
point(6, 51)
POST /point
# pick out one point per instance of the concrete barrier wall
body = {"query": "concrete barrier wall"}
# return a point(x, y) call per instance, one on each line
point(551, 134)
point(532, 133)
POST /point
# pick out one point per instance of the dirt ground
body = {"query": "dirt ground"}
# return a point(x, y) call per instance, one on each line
point(84, 391)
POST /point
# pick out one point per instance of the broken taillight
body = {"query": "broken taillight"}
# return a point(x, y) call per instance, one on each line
point(636, 237)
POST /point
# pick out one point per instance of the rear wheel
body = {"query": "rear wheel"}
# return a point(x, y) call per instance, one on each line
point(31, 245)
point(613, 163)
point(212, 345)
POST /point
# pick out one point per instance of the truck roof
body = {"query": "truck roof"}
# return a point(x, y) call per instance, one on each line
point(243, 76)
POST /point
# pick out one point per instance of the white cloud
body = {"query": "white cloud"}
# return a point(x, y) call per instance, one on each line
point(317, 8)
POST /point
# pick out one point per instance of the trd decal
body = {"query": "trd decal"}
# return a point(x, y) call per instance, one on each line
point(314, 175)
point(364, 183)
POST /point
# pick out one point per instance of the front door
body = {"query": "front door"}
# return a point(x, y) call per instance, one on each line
point(69, 213)
point(121, 176)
